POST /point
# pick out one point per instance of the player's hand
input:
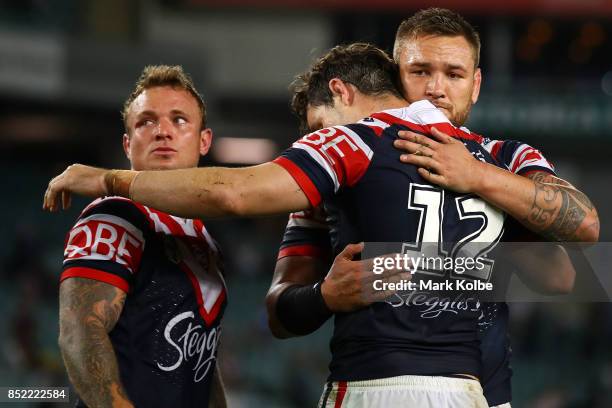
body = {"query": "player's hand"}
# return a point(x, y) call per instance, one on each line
point(441, 160)
point(348, 285)
point(76, 179)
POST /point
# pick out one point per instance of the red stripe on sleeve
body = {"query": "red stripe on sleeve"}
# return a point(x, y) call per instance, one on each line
point(302, 250)
point(95, 274)
point(307, 186)
point(538, 170)
point(495, 149)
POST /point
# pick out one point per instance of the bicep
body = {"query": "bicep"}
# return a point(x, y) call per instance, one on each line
point(546, 177)
point(89, 302)
point(301, 270)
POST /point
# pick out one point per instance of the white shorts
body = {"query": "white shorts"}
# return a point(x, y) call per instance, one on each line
point(406, 391)
point(506, 405)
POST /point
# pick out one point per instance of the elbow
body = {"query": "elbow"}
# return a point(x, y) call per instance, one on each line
point(229, 202)
point(65, 338)
point(276, 328)
point(563, 286)
point(590, 233)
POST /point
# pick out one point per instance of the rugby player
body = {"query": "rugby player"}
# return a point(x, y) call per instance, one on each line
point(355, 156)
point(142, 294)
point(438, 53)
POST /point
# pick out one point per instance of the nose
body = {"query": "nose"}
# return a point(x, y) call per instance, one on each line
point(435, 87)
point(164, 129)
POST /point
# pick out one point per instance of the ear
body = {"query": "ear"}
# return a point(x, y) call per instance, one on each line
point(342, 90)
point(477, 82)
point(126, 146)
point(205, 140)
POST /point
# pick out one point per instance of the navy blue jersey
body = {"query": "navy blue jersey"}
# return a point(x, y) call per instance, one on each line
point(167, 335)
point(371, 196)
point(308, 234)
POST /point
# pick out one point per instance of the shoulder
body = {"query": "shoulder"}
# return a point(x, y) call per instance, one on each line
point(115, 210)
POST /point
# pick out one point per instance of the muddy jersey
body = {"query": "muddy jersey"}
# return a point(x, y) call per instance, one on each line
point(167, 334)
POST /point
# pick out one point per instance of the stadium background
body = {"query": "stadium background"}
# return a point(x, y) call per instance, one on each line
point(66, 67)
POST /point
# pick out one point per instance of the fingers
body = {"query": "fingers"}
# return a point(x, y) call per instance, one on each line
point(417, 138)
point(431, 177)
point(49, 200)
point(441, 136)
point(415, 148)
point(52, 198)
point(387, 287)
point(66, 200)
point(421, 161)
point(350, 251)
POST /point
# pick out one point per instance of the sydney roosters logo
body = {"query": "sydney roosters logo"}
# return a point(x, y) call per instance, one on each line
point(191, 343)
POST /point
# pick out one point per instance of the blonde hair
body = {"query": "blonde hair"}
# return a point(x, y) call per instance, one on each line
point(163, 75)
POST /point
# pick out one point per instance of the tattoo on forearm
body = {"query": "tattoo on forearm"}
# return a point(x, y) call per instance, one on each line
point(558, 209)
point(88, 311)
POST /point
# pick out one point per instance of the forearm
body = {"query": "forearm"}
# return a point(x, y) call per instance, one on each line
point(544, 267)
point(92, 366)
point(277, 328)
point(302, 312)
point(214, 191)
point(301, 309)
point(544, 204)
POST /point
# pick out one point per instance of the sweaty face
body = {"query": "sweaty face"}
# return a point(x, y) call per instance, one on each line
point(165, 130)
point(440, 69)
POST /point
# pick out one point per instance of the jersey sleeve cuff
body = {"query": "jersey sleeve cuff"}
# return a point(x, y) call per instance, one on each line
point(97, 275)
point(307, 186)
point(532, 169)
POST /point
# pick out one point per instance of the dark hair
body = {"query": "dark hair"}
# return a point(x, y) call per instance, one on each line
point(163, 75)
point(363, 65)
point(438, 22)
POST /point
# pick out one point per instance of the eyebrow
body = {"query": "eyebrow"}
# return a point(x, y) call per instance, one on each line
point(428, 65)
point(153, 113)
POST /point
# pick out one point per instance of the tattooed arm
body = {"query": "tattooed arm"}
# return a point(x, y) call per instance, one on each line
point(88, 312)
point(543, 203)
point(560, 211)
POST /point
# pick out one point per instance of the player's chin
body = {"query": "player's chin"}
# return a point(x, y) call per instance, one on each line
point(163, 163)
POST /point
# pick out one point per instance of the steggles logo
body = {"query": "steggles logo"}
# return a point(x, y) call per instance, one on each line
point(193, 342)
point(431, 307)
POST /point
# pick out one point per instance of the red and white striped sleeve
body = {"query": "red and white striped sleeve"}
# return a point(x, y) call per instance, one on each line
point(518, 157)
point(106, 243)
point(324, 161)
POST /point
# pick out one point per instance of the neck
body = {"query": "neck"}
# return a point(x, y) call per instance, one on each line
point(379, 103)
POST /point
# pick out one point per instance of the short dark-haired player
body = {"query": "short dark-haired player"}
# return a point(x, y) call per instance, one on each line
point(142, 291)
